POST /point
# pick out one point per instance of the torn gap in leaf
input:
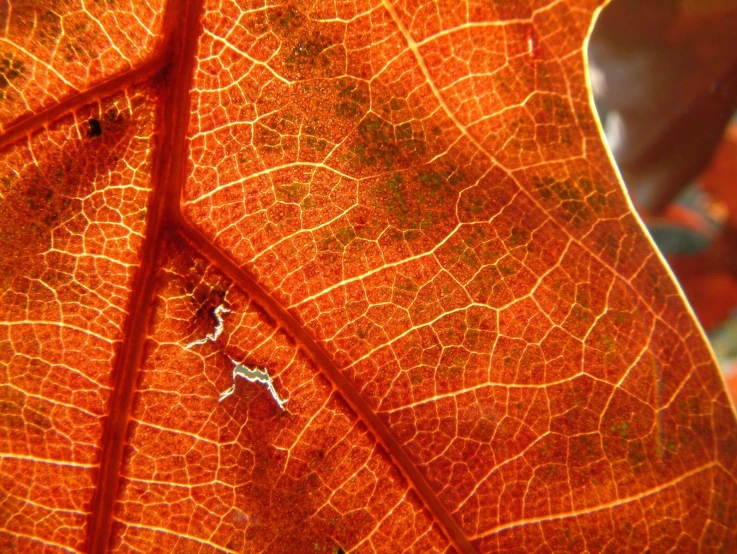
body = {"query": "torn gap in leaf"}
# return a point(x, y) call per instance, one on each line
point(254, 375)
point(219, 326)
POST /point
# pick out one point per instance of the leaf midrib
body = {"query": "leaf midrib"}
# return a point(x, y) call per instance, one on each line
point(172, 65)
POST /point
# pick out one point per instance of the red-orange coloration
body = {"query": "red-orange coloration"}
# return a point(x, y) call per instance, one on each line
point(409, 215)
point(72, 220)
point(51, 49)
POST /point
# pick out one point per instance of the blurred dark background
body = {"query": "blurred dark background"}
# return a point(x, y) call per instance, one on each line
point(664, 74)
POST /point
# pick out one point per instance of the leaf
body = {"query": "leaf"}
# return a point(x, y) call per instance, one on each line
point(402, 220)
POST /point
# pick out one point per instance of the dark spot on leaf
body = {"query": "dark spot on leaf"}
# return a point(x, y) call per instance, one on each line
point(95, 128)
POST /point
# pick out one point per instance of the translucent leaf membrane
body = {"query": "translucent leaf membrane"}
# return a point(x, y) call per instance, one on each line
point(52, 48)
point(425, 188)
point(72, 217)
point(241, 474)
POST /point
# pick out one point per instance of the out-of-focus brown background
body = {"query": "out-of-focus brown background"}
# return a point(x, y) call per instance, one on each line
point(664, 75)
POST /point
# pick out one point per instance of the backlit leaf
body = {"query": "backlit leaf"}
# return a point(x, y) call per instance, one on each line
point(332, 277)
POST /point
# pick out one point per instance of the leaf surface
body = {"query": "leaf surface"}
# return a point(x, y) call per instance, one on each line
point(402, 219)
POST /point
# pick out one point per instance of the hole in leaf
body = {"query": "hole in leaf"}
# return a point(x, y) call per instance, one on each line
point(95, 128)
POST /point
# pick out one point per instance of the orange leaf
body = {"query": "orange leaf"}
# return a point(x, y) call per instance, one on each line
point(336, 277)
